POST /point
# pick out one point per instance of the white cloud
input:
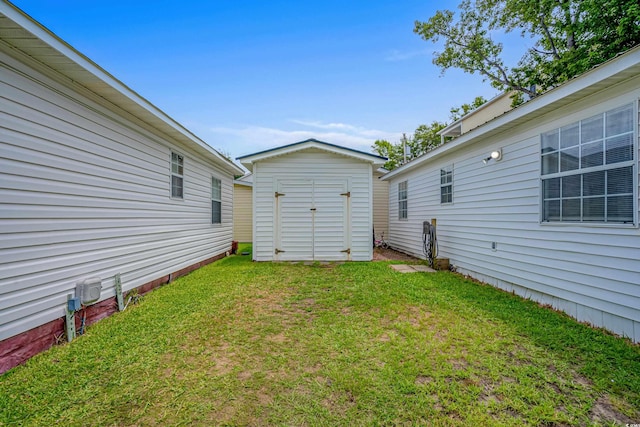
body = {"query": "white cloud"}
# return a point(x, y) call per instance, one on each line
point(320, 125)
point(396, 55)
point(349, 129)
point(240, 141)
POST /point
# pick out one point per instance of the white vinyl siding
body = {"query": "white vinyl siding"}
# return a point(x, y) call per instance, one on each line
point(588, 169)
point(84, 194)
point(318, 166)
point(403, 205)
point(589, 271)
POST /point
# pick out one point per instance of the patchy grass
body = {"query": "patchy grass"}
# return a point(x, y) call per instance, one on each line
point(242, 343)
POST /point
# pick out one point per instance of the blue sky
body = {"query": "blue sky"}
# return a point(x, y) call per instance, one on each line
point(251, 75)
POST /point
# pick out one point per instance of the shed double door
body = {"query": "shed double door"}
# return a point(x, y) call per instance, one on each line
point(312, 221)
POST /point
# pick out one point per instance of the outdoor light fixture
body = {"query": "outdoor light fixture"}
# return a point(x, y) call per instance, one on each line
point(495, 155)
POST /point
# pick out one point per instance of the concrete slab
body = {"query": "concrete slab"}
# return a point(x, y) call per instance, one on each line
point(423, 269)
point(404, 268)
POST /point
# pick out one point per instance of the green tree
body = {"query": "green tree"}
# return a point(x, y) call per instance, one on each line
point(426, 138)
point(393, 152)
point(568, 37)
point(464, 109)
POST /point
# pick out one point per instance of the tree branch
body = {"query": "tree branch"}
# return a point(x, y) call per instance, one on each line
point(502, 76)
point(547, 33)
point(541, 51)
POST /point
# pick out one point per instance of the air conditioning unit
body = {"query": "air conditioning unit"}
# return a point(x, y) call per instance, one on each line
point(88, 290)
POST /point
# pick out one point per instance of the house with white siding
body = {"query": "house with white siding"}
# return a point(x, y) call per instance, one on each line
point(541, 200)
point(97, 187)
point(312, 201)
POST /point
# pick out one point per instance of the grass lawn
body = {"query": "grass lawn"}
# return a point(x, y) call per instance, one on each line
point(242, 343)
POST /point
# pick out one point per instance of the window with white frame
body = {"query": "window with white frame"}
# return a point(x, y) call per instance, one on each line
point(216, 201)
point(403, 208)
point(177, 176)
point(446, 184)
point(588, 169)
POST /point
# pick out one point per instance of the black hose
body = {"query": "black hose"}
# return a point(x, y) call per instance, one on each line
point(430, 244)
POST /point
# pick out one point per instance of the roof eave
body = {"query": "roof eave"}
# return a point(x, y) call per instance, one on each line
point(248, 160)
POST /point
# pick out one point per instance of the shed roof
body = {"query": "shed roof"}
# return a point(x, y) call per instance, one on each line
point(612, 72)
point(22, 34)
point(248, 160)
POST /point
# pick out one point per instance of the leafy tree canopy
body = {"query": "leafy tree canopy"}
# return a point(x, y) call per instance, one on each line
point(393, 152)
point(568, 37)
point(425, 138)
point(464, 109)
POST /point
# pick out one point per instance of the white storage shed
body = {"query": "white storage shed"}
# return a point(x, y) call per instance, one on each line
point(312, 201)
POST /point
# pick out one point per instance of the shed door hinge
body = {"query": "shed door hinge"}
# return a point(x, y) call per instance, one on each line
point(277, 251)
point(348, 194)
point(279, 194)
point(348, 250)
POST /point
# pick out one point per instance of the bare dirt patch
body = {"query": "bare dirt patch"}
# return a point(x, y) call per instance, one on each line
point(267, 301)
point(277, 338)
point(384, 338)
point(339, 401)
point(604, 411)
point(223, 361)
point(345, 311)
point(422, 380)
point(303, 310)
point(415, 316)
point(488, 395)
point(380, 254)
point(264, 398)
point(459, 364)
point(245, 375)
